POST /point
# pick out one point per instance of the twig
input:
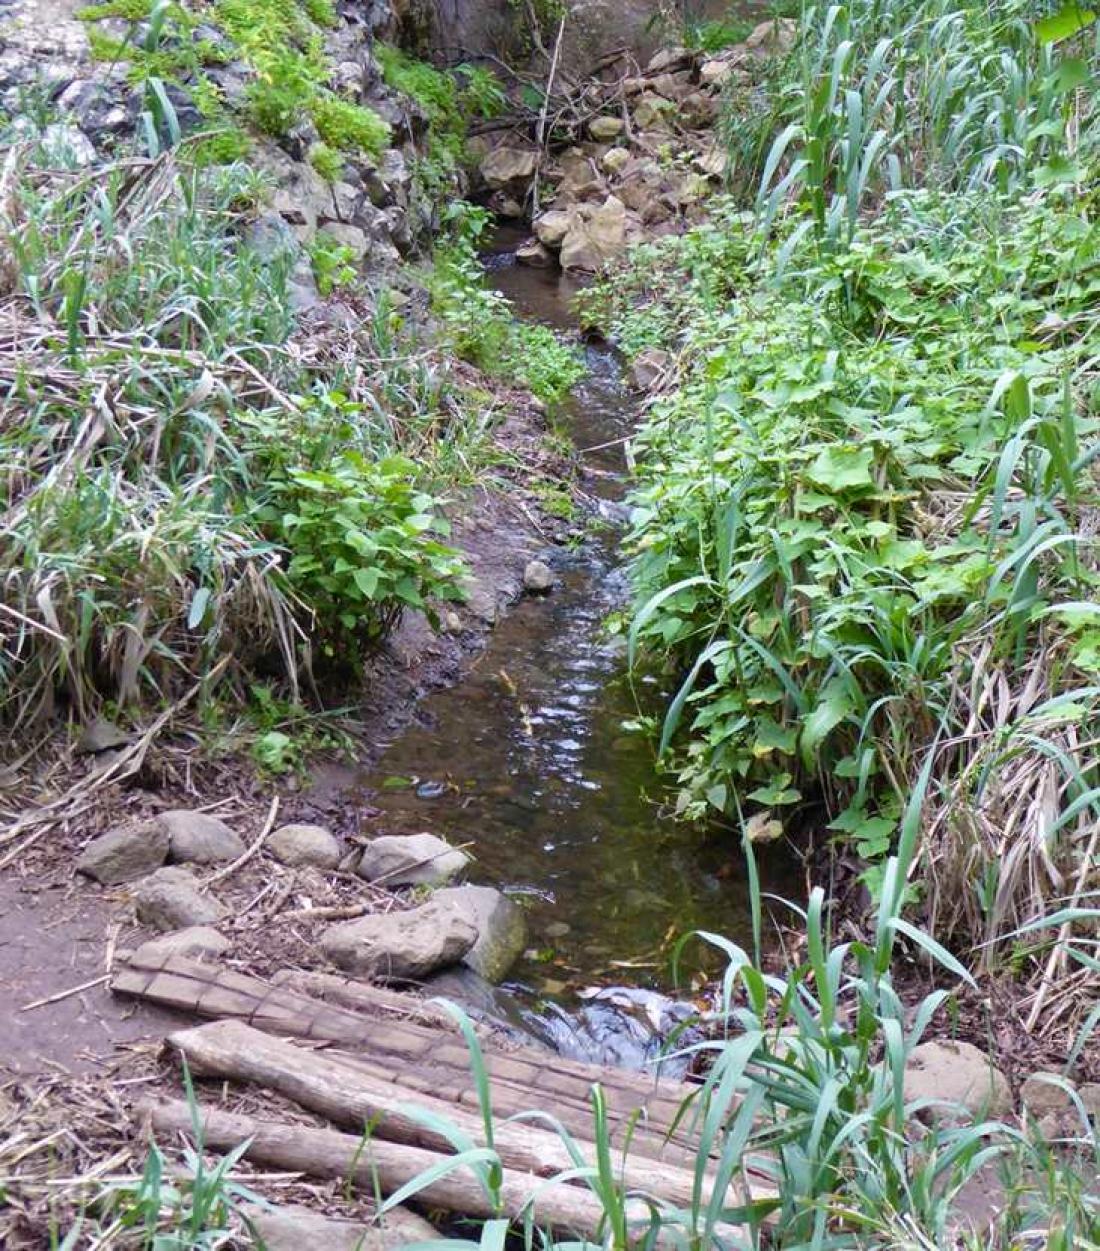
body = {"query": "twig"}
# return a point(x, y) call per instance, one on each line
point(65, 994)
point(242, 860)
point(540, 133)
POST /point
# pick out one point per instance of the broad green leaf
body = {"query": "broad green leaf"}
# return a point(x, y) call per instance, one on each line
point(1068, 21)
point(843, 467)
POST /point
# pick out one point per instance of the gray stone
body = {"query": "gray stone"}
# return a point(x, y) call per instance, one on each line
point(411, 860)
point(553, 226)
point(505, 166)
point(96, 106)
point(351, 237)
point(100, 735)
point(651, 110)
point(775, 37)
point(170, 899)
point(960, 1077)
point(304, 845)
point(535, 254)
point(538, 577)
point(195, 941)
point(667, 59)
point(600, 238)
point(501, 927)
point(1044, 1095)
point(604, 129)
point(199, 838)
point(67, 146)
point(615, 160)
point(296, 1228)
point(648, 367)
point(401, 946)
point(125, 853)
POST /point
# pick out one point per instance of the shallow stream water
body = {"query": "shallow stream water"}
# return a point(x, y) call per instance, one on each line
point(527, 760)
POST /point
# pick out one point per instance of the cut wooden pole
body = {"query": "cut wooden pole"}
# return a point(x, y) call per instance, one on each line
point(347, 1095)
point(325, 1153)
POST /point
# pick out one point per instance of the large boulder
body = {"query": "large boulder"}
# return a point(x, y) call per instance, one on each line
point(961, 1079)
point(506, 166)
point(401, 946)
point(302, 844)
point(595, 240)
point(500, 923)
point(170, 899)
point(125, 853)
point(199, 838)
point(411, 860)
point(552, 227)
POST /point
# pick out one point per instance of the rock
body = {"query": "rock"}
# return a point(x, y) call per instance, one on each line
point(775, 37)
point(553, 226)
point(673, 87)
point(615, 160)
point(293, 1228)
point(411, 860)
point(500, 923)
point(604, 129)
point(170, 899)
point(100, 735)
point(650, 110)
point(714, 73)
point(1045, 1094)
point(699, 109)
point(648, 366)
point(195, 941)
point(402, 946)
point(272, 239)
point(535, 254)
point(96, 106)
point(589, 244)
point(508, 206)
point(200, 838)
point(68, 147)
point(352, 237)
point(665, 59)
point(125, 853)
point(504, 166)
point(580, 180)
point(713, 162)
point(538, 578)
point(959, 1074)
point(304, 845)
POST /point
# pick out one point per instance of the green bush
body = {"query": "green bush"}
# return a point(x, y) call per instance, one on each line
point(363, 547)
point(327, 162)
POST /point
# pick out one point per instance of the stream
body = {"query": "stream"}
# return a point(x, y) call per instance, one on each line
point(527, 762)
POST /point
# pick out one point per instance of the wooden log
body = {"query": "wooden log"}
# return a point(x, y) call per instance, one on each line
point(349, 1096)
point(325, 1153)
point(362, 997)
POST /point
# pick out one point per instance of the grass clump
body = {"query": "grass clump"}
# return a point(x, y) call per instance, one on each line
point(176, 541)
point(348, 127)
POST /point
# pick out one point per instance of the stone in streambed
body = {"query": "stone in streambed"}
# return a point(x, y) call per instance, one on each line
point(195, 941)
point(538, 577)
point(301, 844)
point(125, 853)
point(411, 860)
point(552, 226)
point(401, 946)
point(500, 923)
point(171, 899)
point(534, 254)
point(199, 838)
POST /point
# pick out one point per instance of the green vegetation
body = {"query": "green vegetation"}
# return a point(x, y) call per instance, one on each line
point(184, 496)
point(862, 528)
point(478, 324)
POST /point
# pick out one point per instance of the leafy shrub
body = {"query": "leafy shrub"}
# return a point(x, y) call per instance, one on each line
point(326, 161)
point(333, 263)
point(363, 546)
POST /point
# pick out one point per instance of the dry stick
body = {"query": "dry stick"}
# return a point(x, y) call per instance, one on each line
point(242, 860)
point(66, 994)
point(540, 133)
point(345, 1157)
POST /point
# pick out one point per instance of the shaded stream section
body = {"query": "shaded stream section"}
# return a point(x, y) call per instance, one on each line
point(527, 760)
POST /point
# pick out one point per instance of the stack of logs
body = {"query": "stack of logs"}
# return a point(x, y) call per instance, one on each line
point(395, 1071)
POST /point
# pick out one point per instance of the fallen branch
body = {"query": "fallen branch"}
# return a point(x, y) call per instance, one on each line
point(325, 1153)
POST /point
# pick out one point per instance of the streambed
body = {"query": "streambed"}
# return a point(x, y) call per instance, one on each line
point(527, 763)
